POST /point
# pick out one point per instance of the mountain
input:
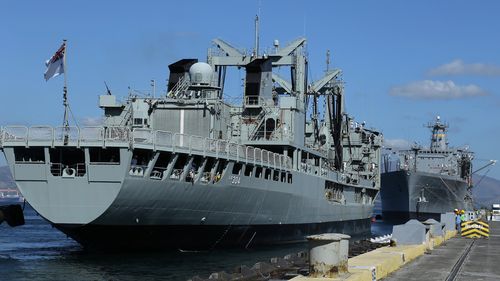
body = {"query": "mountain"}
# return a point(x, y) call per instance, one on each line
point(6, 180)
point(486, 191)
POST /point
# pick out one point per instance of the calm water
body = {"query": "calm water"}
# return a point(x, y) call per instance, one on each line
point(36, 251)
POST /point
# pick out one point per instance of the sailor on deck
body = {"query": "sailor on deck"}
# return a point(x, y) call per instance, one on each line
point(458, 220)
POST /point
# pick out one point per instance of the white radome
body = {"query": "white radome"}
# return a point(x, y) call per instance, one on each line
point(200, 73)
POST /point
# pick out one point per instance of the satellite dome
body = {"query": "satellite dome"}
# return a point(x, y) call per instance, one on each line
point(200, 73)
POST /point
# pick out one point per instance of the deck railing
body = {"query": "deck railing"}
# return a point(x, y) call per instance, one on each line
point(140, 138)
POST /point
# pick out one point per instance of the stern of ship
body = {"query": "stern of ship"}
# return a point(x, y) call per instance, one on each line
point(68, 175)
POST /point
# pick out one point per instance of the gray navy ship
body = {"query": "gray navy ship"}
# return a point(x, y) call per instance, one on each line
point(427, 181)
point(193, 170)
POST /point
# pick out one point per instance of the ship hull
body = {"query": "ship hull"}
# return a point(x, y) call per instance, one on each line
point(122, 205)
point(141, 213)
point(418, 195)
point(180, 215)
point(204, 237)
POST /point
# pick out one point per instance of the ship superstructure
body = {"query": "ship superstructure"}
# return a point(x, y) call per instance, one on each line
point(428, 181)
point(191, 170)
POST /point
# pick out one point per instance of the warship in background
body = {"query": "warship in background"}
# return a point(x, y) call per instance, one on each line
point(190, 170)
point(427, 181)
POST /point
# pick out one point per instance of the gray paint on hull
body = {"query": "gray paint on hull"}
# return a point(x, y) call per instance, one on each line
point(128, 200)
point(401, 191)
point(253, 201)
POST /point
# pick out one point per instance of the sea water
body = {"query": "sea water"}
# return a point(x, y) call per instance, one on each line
point(37, 251)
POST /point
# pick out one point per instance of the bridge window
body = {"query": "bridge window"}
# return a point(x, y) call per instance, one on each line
point(29, 155)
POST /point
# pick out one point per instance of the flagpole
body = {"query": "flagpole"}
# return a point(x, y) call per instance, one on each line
point(65, 98)
point(65, 90)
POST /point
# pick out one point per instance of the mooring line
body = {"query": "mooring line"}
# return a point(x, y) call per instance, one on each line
point(250, 241)
point(456, 268)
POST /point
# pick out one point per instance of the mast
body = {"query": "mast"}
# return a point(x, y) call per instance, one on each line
point(438, 138)
point(327, 60)
point(256, 47)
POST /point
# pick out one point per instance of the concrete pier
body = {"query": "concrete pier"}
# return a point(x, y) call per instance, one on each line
point(441, 257)
point(459, 259)
point(437, 252)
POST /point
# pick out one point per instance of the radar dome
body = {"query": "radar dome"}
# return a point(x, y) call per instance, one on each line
point(200, 73)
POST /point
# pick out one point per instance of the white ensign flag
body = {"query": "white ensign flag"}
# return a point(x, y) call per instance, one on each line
point(55, 65)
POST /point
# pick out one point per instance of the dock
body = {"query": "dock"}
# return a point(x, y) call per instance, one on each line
point(457, 259)
point(447, 258)
point(439, 255)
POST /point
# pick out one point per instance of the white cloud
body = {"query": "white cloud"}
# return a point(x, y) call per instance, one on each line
point(397, 144)
point(458, 67)
point(91, 121)
point(431, 89)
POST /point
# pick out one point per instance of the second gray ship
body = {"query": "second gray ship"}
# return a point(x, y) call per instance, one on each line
point(427, 181)
point(191, 170)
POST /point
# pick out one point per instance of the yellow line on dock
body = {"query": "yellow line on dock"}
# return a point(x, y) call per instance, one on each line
point(380, 262)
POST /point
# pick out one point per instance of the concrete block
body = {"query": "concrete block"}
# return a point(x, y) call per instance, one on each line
point(411, 233)
point(436, 228)
point(383, 263)
point(449, 221)
point(408, 252)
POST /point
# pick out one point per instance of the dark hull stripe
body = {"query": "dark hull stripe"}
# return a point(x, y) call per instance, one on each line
point(204, 237)
point(402, 217)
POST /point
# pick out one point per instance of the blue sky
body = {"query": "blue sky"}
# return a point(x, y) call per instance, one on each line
point(404, 62)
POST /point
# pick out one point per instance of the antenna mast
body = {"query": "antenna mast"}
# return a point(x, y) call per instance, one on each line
point(256, 48)
point(327, 60)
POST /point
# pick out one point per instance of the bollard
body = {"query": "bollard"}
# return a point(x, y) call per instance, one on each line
point(328, 254)
point(412, 232)
point(435, 227)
